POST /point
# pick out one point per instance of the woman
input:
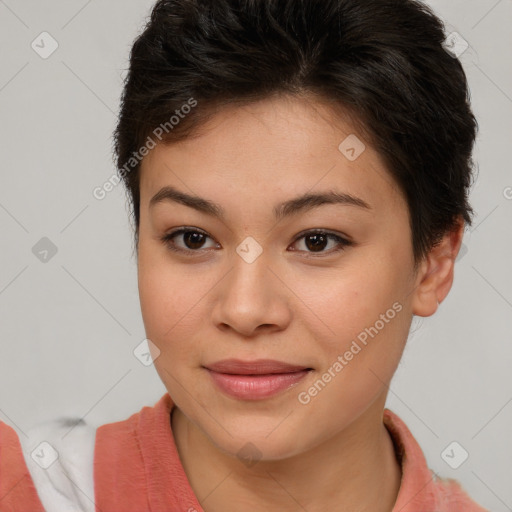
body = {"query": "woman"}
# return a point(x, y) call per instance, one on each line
point(299, 175)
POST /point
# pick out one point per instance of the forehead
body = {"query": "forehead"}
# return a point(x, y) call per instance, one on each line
point(278, 147)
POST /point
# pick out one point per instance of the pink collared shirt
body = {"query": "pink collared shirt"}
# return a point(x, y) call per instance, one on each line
point(161, 479)
point(136, 468)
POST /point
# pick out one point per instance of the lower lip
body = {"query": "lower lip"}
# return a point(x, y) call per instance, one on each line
point(256, 387)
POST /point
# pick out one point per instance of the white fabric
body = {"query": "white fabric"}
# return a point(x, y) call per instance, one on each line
point(68, 483)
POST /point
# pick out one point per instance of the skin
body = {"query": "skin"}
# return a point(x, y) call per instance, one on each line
point(292, 304)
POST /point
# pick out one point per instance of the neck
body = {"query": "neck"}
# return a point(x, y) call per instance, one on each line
point(355, 470)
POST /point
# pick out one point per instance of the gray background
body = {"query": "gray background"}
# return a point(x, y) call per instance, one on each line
point(69, 325)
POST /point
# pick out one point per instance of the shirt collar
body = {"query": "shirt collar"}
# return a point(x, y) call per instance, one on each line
point(417, 491)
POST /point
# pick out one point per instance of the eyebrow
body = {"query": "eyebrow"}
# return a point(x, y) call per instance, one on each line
point(300, 204)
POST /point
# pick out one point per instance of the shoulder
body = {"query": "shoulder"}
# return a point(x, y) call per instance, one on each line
point(9, 441)
point(17, 490)
point(126, 444)
point(454, 498)
point(59, 455)
point(69, 464)
point(421, 488)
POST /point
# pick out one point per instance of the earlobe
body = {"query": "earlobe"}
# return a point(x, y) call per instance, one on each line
point(435, 277)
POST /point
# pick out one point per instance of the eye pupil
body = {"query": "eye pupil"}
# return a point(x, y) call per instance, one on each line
point(192, 238)
point(318, 241)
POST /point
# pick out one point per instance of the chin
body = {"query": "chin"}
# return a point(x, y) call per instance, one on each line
point(252, 450)
point(256, 439)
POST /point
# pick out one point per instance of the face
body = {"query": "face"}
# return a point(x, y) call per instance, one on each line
point(321, 284)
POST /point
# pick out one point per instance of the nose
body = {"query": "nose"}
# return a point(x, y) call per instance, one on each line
point(253, 298)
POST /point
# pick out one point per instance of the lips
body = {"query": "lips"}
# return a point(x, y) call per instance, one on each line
point(259, 379)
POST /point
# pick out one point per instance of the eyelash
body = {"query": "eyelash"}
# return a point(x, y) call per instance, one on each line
point(343, 243)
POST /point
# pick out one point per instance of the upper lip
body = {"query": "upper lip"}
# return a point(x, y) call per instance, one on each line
point(255, 367)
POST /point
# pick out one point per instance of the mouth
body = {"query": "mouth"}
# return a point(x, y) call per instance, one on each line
point(255, 380)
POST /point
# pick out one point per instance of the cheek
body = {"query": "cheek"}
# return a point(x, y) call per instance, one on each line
point(170, 322)
point(157, 299)
point(360, 313)
point(347, 299)
point(172, 299)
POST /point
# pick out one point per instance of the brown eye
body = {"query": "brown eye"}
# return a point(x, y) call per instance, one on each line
point(193, 240)
point(317, 241)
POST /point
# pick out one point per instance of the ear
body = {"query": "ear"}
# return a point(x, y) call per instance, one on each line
point(435, 275)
